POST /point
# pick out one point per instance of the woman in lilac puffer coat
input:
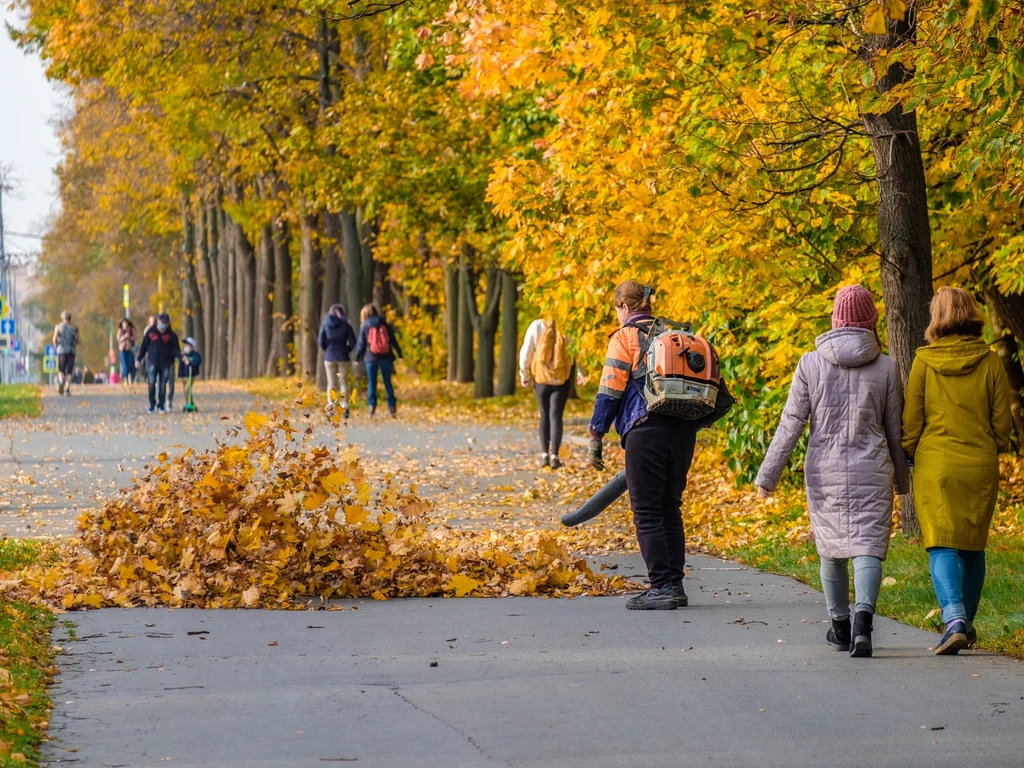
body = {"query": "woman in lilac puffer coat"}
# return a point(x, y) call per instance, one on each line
point(853, 397)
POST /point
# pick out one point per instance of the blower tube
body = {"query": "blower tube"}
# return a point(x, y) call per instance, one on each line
point(599, 502)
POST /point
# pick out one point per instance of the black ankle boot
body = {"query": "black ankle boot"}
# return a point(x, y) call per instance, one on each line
point(860, 645)
point(839, 634)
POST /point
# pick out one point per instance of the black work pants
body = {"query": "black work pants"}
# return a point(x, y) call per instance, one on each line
point(552, 399)
point(659, 451)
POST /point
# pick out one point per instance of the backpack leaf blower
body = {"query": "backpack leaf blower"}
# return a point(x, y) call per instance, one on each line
point(607, 495)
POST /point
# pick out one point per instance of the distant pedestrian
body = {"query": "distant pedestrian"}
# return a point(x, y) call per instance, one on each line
point(853, 397)
point(126, 345)
point(88, 377)
point(65, 339)
point(956, 423)
point(188, 371)
point(545, 361)
point(159, 352)
point(377, 347)
point(337, 340)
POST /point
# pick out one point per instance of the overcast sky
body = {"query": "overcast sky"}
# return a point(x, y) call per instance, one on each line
point(29, 105)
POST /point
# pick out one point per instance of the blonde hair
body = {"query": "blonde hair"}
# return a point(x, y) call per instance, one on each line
point(954, 312)
point(634, 296)
point(370, 310)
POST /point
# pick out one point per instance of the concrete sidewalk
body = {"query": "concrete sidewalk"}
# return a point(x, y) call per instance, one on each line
point(741, 678)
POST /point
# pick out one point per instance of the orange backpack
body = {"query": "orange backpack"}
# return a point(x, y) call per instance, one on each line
point(679, 371)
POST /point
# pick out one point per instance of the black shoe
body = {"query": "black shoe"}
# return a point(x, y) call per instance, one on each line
point(681, 597)
point(394, 413)
point(838, 635)
point(954, 641)
point(373, 410)
point(860, 643)
point(972, 637)
point(554, 462)
point(654, 599)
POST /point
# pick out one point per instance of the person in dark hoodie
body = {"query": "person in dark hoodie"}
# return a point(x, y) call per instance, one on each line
point(159, 351)
point(659, 450)
point(337, 340)
point(377, 348)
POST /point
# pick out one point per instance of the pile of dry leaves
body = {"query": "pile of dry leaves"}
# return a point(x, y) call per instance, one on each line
point(276, 521)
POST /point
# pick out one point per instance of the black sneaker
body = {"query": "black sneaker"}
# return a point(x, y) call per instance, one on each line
point(394, 413)
point(545, 460)
point(838, 635)
point(373, 410)
point(972, 637)
point(681, 597)
point(654, 599)
point(554, 462)
point(954, 641)
point(860, 640)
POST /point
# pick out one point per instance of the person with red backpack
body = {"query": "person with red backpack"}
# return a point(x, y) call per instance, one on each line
point(659, 386)
point(544, 359)
point(378, 347)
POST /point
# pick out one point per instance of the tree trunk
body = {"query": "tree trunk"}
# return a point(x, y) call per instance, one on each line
point(205, 278)
point(243, 346)
point(264, 310)
point(332, 269)
point(309, 294)
point(353, 266)
point(1009, 307)
point(509, 334)
point(225, 258)
point(367, 239)
point(191, 280)
point(230, 256)
point(215, 244)
point(485, 323)
point(464, 345)
point(903, 229)
point(284, 336)
point(1009, 352)
point(452, 315)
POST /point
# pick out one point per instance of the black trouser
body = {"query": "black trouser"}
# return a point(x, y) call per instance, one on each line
point(551, 398)
point(658, 456)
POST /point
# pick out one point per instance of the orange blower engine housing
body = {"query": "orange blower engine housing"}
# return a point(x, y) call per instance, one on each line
point(681, 372)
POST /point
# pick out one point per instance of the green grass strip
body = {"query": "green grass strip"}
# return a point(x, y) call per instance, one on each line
point(20, 400)
point(26, 665)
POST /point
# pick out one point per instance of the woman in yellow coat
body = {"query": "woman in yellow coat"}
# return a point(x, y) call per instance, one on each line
point(956, 421)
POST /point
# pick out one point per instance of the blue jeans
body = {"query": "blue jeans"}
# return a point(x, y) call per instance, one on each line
point(958, 576)
point(127, 365)
point(157, 379)
point(386, 369)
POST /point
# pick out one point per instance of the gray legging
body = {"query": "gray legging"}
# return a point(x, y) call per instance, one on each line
point(552, 399)
point(835, 582)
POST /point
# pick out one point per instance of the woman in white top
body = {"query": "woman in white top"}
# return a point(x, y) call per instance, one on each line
point(545, 361)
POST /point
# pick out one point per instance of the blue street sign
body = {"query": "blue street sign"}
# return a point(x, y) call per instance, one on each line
point(51, 351)
point(50, 364)
point(7, 326)
point(16, 345)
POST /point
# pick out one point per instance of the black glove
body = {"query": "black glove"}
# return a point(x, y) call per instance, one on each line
point(596, 448)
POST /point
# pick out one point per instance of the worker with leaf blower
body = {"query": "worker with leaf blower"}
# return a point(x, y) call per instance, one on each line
point(660, 385)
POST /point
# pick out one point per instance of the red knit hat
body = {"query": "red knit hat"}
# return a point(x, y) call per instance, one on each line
point(854, 308)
